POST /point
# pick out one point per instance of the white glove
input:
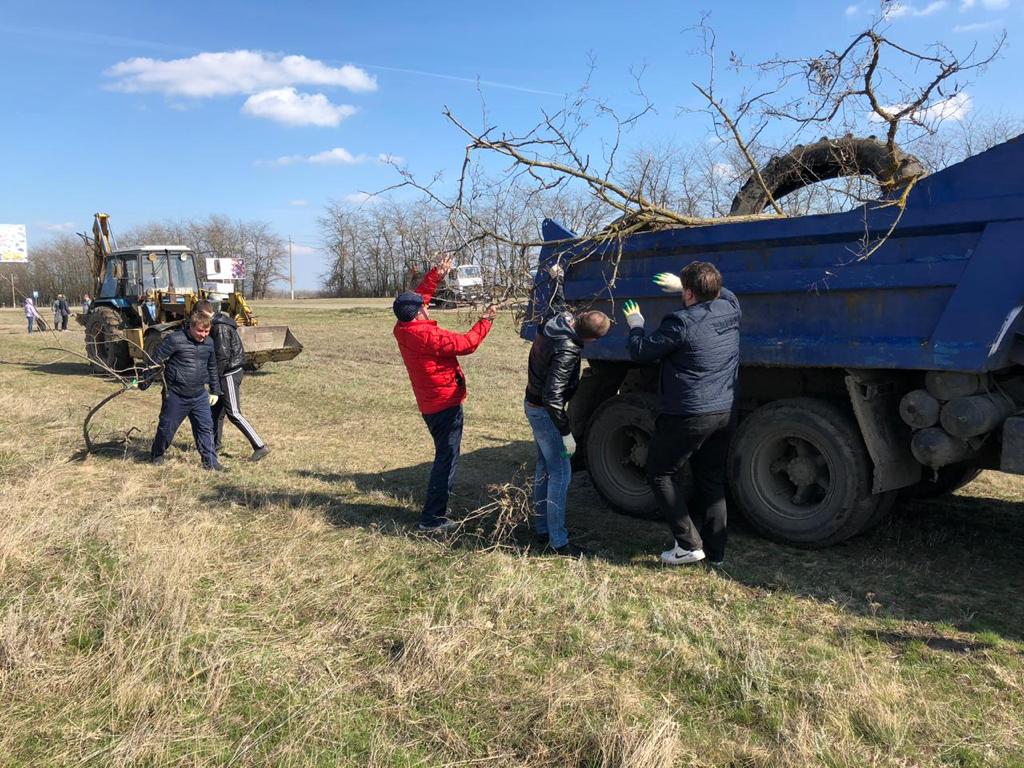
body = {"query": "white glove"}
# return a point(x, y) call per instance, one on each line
point(668, 282)
point(568, 445)
point(632, 312)
point(556, 272)
point(213, 400)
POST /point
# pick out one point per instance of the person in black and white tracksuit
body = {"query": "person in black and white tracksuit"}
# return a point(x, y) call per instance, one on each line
point(230, 359)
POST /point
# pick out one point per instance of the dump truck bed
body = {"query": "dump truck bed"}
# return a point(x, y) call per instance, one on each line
point(943, 292)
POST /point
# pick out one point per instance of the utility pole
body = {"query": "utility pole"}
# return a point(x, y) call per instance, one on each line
point(291, 274)
point(13, 304)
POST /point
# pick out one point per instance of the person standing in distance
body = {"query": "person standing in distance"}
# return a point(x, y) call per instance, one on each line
point(699, 350)
point(431, 356)
point(227, 345)
point(553, 376)
point(189, 366)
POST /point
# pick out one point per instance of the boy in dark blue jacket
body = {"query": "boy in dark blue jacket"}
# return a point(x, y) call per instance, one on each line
point(189, 366)
point(699, 350)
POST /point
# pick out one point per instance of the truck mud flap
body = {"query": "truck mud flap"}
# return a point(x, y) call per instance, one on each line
point(1012, 456)
point(876, 399)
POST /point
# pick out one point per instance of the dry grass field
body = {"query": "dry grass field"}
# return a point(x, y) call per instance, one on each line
point(286, 614)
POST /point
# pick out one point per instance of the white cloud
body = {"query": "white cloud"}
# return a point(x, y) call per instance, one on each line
point(362, 198)
point(955, 107)
point(966, 5)
point(991, 5)
point(65, 226)
point(977, 26)
point(286, 105)
point(852, 10)
point(298, 203)
point(303, 250)
point(388, 159)
point(336, 156)
point(901, 10)
point(222, 73)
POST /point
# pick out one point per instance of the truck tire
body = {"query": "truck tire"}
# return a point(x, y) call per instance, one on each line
point(617, 439)
point(800, 473)
point(825, 159)
point(949, 479)
point(105, 344)
point(597, 383)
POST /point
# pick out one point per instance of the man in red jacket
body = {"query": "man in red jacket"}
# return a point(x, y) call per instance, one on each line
point(431, 355)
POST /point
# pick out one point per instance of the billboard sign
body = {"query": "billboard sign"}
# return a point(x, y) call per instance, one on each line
point(13, 244)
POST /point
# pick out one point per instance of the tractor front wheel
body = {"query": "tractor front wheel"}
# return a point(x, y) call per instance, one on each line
point(105, 342)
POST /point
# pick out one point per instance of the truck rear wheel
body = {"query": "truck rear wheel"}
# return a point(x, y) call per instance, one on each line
point(800, 473)
point(105, 343)
point(617, 440)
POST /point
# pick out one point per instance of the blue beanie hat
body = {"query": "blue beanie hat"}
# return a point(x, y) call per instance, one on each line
point(406, 305)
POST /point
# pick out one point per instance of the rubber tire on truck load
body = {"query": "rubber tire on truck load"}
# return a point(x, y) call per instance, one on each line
point(950, 478)
point(617, 440)
point(825, 159)
point(817, 442)
point(105, 344)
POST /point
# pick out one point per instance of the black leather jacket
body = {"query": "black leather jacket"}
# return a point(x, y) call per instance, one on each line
point(554, 371)
point(189, 365)
point(227, 343)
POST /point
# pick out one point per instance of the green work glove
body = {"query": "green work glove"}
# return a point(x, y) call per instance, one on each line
point(668, 282)
point(568, 445)
point(632, 312)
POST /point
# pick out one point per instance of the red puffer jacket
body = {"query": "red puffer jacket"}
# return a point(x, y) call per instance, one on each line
point(431, 354)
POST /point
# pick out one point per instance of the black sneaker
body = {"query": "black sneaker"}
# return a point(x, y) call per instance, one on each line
point(571, 550)
point(214, 467)
point(157, 461)
point(259, 453)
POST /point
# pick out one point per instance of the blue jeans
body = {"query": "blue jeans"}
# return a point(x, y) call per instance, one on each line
point(173, 411)
point(446, 429)
point(551, 480)
point(31, 322)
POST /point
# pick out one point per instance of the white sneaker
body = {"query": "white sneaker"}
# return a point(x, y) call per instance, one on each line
point(679, 556)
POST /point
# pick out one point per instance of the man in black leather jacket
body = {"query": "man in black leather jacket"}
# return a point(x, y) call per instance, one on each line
point(189, 366)
point(554, 373)
point(227, 345)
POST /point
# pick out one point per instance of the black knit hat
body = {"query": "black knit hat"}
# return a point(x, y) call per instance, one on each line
point(406, 305)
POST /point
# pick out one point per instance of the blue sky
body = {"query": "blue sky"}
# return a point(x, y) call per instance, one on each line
point(266, 111)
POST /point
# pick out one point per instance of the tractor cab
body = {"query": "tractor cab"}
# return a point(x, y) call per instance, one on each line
point(159, 283)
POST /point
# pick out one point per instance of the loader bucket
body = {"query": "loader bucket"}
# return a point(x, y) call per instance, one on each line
point(268, 343)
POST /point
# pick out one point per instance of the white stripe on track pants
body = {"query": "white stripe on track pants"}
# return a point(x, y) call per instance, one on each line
point(230, 405)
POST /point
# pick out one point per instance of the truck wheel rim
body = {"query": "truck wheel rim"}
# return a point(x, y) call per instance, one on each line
point(793, 476)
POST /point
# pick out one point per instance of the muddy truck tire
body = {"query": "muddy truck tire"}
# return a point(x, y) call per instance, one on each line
point(826, 159)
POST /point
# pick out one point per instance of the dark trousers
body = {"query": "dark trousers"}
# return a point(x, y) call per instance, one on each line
point(446, 429)
point(703, 441)
point(230, 405)
point(63, 322)
point(173, 410)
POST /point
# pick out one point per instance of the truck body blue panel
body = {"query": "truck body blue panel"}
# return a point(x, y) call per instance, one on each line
point(943, 292)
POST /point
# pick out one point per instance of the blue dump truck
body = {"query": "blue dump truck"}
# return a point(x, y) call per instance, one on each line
point(861, 379)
